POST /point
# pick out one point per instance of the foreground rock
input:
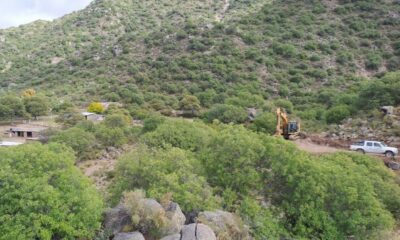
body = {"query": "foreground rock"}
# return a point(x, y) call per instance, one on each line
point(394, 165)
point(193, 231)
point(225, 224)
point(129, 236)
point(196, 231)
point(176, 219)
point(116, 219)
point(144, 215)
point(172, 237)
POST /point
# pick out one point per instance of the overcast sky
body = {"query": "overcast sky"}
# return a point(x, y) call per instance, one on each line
point(16, 12)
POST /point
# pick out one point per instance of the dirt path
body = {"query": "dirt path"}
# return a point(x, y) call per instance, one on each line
point(99, 169)
point(221, 14)
point(308, 146)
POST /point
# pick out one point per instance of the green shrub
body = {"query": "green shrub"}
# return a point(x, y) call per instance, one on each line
point(110, 137)
point(179, 133)
point(118, 120)
point(159, 172)
point(331, 197)
point(231, 160)
point(337, 114)
point(286, 50)
point(36, 106)
point(151, 123)
point(82, 142)
point(265, 122)
point(226, 114)
point(44, 196)
point(69, 117)
point(374, 61)
point(285, 104)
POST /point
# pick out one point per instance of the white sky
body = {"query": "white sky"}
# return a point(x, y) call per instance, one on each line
point(17, 12)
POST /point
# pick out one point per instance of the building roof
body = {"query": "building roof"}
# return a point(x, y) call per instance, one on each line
point(9, 144)
point(87, 113)
point(28, 128)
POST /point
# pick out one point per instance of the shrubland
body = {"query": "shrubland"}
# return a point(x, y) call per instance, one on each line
point(277, 189)
point(301, 55)
point(323, 61)
point(44, 196)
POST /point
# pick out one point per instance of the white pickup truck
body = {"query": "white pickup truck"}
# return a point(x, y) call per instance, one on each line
point(375, 148)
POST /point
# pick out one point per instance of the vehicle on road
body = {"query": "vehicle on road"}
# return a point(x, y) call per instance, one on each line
point(374, 147)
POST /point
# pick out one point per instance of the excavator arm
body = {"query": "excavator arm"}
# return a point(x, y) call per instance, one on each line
point(284, 127)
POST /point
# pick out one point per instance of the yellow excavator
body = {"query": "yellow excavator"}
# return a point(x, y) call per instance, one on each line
point(284, 127)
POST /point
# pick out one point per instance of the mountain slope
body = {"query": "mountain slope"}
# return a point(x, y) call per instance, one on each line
point(152, 53)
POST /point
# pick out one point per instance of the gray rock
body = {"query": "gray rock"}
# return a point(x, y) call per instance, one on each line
point(252, 113)
point(153, 206)
point(387, 110)
point(129, 236)
point(117, 218)
point(225, 224)
point(197, 232)
point(172, 237)
point(176, 219)
point(394, 165)
point(117, 50)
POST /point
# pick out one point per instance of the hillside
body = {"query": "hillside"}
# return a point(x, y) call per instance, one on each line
point(306, 51)
point(116, 160)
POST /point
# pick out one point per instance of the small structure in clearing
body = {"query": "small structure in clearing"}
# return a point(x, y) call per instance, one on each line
point(94, 117)
point(26, 131)
point(9, 144)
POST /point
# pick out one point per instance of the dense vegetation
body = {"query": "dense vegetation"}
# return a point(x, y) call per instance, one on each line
point(315, 54)
point(323, 61)
point(278, 190)
point(328, 197)
point(44, 196)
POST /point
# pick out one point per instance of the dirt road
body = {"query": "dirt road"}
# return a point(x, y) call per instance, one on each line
point(308, 146)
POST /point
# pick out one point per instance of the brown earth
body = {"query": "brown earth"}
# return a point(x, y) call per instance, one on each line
point(100, 169)
point(309, 146)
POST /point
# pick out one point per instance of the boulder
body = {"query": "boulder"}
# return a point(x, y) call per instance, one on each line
point(225, 224)
point(251, 113)
point(394, 165)
point(176, 219)
point(196, 231)
point(387, 110)
point(129, 236)
point(172, 237)
point(116, 219)
point(148, 215)
point(117, 50)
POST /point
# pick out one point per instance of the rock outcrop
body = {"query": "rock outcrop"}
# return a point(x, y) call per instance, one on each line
point(176, 218)
point(129, 236)
point(193, 231)
point(116, 219)
point(144, 215)
point(148, 217)
point(226, 225)
point(196, 231)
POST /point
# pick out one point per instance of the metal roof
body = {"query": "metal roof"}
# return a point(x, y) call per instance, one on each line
point(9, 144)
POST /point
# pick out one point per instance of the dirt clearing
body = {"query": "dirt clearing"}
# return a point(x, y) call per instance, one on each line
point(311, 147)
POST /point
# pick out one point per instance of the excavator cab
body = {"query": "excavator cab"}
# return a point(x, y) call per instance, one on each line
point(284, 127)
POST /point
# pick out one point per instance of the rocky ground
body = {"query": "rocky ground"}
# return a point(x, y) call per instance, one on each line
point(99, 168)
point(378, 126)
point(139, 218)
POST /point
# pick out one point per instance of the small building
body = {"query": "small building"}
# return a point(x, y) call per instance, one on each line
point(94, 117)
point(9, 144)
point(26, 131)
